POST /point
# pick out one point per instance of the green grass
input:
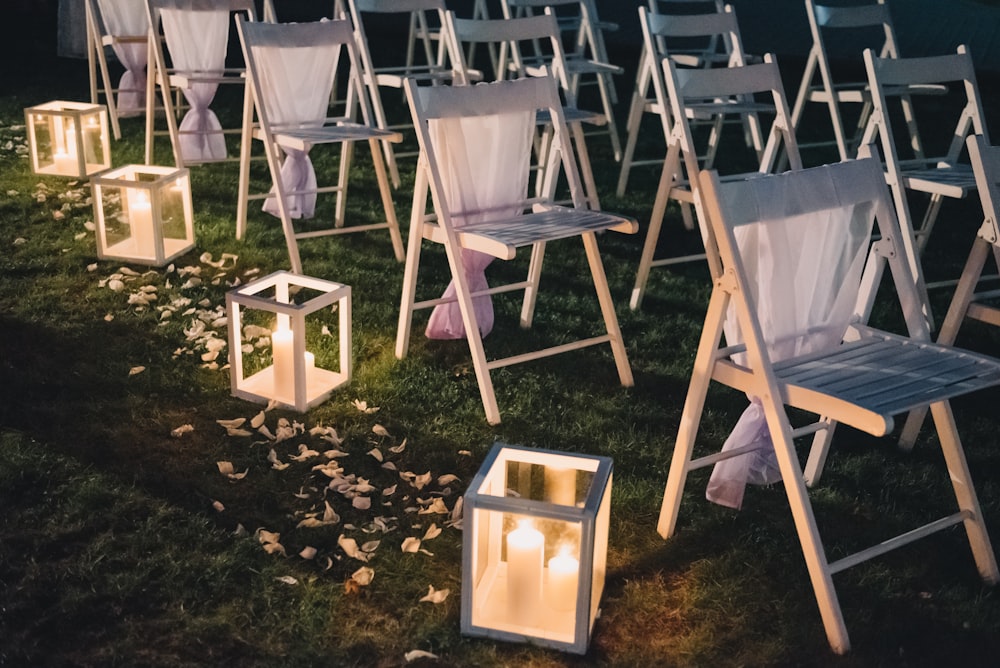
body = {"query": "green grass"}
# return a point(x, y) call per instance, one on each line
point(124, 545)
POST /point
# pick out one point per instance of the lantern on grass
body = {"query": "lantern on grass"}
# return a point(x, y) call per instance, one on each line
point(279, 348)
point(535, 542)
point(143, 213)
point(68, 138)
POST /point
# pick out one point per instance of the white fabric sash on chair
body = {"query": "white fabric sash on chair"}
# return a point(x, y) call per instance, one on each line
point(124, 18)
point(197, 40)
point(801, 310)
point(296, 86)
point(485, 162)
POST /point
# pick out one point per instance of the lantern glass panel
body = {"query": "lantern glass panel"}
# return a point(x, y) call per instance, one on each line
point(144, 213)
point(281, 342)
point(68, 138)
point(535, 549)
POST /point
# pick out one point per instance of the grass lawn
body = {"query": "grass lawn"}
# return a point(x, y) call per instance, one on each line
point(123, 541)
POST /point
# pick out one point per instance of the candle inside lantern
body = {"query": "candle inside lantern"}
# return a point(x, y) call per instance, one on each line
point(64, 151)
point(563, 581)
point(560, 485)
point(140, 221)
point(283, 354)
point(525, 567)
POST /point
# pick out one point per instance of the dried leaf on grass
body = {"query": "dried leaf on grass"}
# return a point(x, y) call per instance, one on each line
point(415, 654)
point(226, 469)
point(435, 595)
point(177, 432)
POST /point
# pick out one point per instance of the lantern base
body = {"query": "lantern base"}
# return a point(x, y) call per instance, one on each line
point(128, 250)
point(320, 384)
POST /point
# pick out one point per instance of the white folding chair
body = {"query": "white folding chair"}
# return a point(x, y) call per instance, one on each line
point(909, 169)
point(475, 155)
point(707, 39)
point(713, 95)
point(188, 44)
point(123, 26)
point(837, 32)
point(587, 60)
point(385, 72)
point(793, 301)
point(291, 68)
point(506, 38)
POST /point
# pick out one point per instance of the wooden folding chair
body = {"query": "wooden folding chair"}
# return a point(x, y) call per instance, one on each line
point(798, 283)
point(587, 60)
point(836, 32)
point(385, 72)
point(697, 94)
point(475, 155)
point(188, 45)
point(506, 38)
point(291, 68)
point(909, 169)
point(694, 34)
point(123, 26)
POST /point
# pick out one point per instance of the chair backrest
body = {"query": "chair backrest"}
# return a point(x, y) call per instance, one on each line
point(686, 90)
point(509, 35)
point(196, 32)
point(840, 33)
point(890, 78)
point(696, 48)
point(292, 68)
point(798, 244)
point(419, 9)
point(576, 18)
point(485, 108)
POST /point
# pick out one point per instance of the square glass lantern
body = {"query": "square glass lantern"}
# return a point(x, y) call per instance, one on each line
point(535, 543)
point(143, 213)
point(68, 138)
point(279, 346)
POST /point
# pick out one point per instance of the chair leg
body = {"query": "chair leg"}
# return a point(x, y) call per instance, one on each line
point(343, 179)
point(959, 307)
point(635, 112)
point(586, 171)
point(653, 234)
point(246, 147)
point(965, 492)
point(387, 204)
point(412, 259)
point(608, 309)
point(534, 277)
point(805, 526)
point(818, 452)
point(694, 405)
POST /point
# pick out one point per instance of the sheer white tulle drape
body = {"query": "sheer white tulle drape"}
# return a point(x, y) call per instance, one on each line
point(128, 18)
point(197, 40)
point(801, 308)
point(295, 92)
point(484, 163)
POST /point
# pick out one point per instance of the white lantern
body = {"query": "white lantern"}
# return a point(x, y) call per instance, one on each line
point(143, 214)
point(535, 542)
point(279, 348)
point(68, 138)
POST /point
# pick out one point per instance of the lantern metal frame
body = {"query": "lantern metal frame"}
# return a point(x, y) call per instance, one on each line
point(163, 232)
point(312, 384)
point(79, 128)
point(490, 506)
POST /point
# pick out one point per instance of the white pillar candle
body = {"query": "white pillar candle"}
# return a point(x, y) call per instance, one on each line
point(560, 485)
point(525, 568)
point(283, 353)
point(140, 222)
point(563, 582)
